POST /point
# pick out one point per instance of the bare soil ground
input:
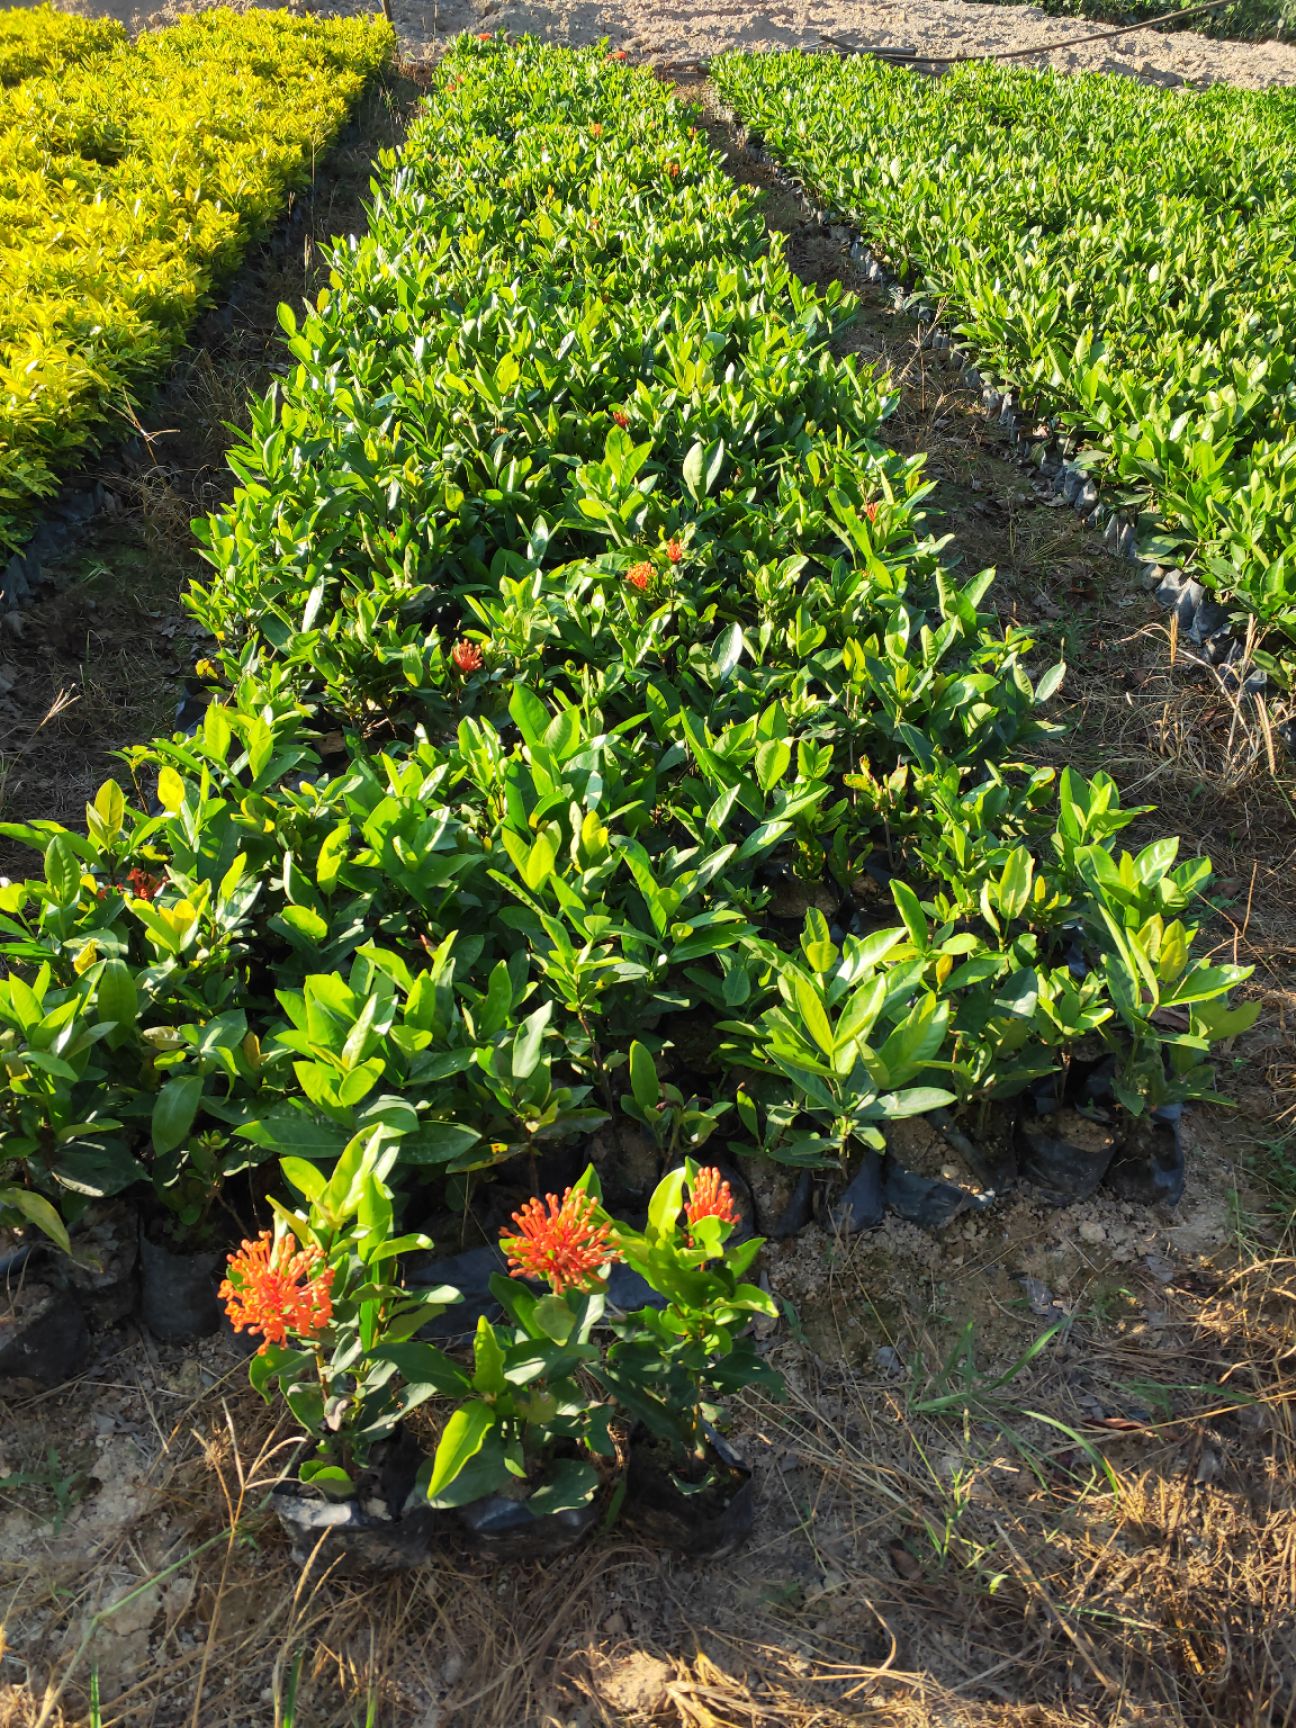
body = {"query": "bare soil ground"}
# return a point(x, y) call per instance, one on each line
point(689, 31)
point(1037, 1472)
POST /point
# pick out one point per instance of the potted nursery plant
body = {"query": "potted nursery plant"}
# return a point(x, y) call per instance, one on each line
point(322, 1291)
point(671, 1367)
point(522, 1458)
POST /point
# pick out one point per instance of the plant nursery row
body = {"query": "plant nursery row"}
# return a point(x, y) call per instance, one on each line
point(1117, 256)
point(604, 787)
point(133, 176)
point(40, 39)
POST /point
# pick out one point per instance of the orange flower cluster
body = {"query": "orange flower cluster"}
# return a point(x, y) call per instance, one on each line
point(596, 130)
point(672, 168)
point(709, 1197)
point(274, 1288)
point(674, 551)
point(617, 54)
point(622, 419)
point(871, 511)
point(640, 575)
point(567, 1246)
point(467, 656)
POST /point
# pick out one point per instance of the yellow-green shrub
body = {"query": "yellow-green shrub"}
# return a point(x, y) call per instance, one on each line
point(128, 185)
point(39, 39)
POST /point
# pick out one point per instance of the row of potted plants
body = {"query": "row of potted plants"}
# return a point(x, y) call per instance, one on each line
point(1085, 237)
point(563, 1412)
point(597, 752)
point(134, 175)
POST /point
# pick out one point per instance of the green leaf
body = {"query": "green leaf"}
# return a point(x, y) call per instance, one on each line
point(694, 470)
point(666, 1203)
point(37, 1210)
point(568, 1485)
point(727, 653)
point(174, 1110)
point(62, 872)
point(554, 1318)
point(772, 762)
point(814, 1015)
point(304, 921)
point(915, 921)
point(461, 1441)
point(488, 1360)
point(110, 808)
point(530, 714)
point(643, 1078)
point(309, 1182)
point(86, 1167)
point(331, 1479)
point(116, 997)
point(170, 789)
point(528, 1041)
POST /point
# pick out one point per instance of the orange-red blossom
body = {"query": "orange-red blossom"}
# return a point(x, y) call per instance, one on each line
point(467, 656)
point(639, 575)
point(709, 1197)
point(146, 886)
point(567, 1245)
point(274, 1288)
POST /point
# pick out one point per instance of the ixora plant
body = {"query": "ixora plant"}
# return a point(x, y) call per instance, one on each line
point(322, 1292)
point(522, 1458)
point(522, 1453)
point(551, 1393)
point(672, 1366)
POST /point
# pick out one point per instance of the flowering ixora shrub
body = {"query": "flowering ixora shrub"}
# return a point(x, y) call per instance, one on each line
point(539, 1398)
point(596, 741)
point(322, 1292)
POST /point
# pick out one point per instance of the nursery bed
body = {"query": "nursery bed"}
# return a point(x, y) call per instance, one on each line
point(901, 1548)
point(100, 653)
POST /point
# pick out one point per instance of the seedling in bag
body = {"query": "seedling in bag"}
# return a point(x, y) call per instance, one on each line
point(676, 1123)
point(837, 1054)
point(527, 1429)
point(323, 1292)
point(673, 1367)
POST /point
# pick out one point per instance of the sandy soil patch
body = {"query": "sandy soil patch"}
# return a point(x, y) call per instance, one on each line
point(684, 31)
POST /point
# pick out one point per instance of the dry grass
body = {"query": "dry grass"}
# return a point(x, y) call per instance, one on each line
point(1106, 1535)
